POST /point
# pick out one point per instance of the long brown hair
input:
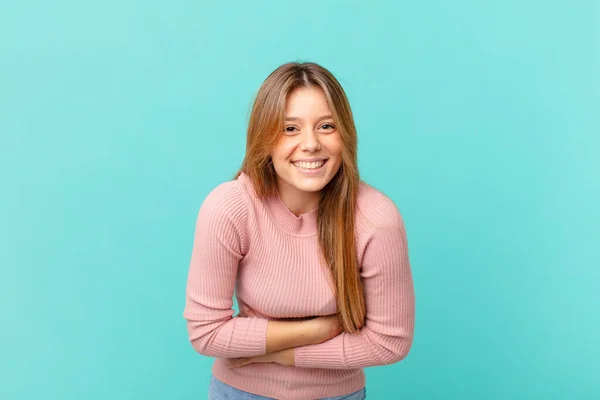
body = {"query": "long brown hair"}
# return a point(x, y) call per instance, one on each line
point(337, 205)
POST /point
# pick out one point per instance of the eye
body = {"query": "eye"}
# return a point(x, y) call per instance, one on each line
point(290, 128)
point(327, 126)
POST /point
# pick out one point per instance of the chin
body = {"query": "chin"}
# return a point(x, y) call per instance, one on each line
point(309, 187)
point(311, 184)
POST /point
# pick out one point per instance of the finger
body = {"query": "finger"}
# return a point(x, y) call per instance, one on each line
point(242, 364)
point(239, 362)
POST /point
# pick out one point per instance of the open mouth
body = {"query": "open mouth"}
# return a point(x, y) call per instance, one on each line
point(314, 166)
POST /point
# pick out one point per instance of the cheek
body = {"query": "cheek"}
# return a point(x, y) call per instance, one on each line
point(284, 150)
point(334, 145)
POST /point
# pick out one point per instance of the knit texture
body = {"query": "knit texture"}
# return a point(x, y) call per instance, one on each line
point(271, 259)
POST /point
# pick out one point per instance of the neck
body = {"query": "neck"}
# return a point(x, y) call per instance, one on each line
point(298, 202)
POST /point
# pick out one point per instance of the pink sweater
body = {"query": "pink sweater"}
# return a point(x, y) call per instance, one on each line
point(270, 256)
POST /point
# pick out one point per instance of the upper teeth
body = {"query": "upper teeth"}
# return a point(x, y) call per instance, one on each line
point(310, 165)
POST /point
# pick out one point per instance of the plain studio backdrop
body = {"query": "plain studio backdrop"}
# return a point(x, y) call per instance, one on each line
point(481, 120)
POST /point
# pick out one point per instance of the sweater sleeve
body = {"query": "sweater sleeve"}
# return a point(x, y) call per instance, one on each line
point(387, 335)
point(219, 243)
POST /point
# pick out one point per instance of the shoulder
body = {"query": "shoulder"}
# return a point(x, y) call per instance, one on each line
point(226, 196)
point(225, 204)
point(380, 230)
point(376, 211)
point(223, 214)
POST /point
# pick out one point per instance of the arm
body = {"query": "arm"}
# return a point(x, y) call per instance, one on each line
point(283, 335)
point(219, 244)
point(389, 294)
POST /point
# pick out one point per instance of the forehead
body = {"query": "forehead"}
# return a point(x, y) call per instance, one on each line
point(306, 102)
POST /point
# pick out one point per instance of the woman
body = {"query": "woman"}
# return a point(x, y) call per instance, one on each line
point(318, 258)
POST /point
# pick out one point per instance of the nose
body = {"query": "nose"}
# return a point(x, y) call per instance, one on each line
point(310, 141)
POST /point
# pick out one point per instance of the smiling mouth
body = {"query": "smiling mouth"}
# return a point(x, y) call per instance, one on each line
point(309, 166)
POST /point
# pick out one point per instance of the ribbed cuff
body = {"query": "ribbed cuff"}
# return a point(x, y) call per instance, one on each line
point(331, 354)
point(242, 337)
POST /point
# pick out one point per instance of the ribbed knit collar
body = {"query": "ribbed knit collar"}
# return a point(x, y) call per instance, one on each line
point(302, 225)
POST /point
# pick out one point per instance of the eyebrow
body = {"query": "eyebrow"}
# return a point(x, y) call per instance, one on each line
point(319, 119)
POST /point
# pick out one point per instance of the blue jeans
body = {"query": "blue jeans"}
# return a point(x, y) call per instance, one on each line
point(222, 391)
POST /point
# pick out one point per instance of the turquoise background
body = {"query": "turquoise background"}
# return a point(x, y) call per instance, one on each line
point(479, 119)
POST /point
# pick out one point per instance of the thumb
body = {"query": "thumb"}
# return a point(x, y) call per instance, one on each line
point(239, 362)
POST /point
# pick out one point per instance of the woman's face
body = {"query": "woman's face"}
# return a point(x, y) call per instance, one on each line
point(309, 154)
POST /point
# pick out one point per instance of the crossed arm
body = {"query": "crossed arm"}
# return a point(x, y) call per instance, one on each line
point(213, 331)
point(284, 336)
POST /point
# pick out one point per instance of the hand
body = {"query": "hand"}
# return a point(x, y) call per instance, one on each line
point(283, 357)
